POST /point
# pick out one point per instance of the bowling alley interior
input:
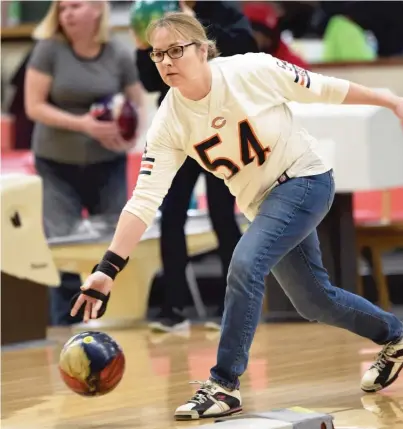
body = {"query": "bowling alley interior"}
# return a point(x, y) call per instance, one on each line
point(63, 189)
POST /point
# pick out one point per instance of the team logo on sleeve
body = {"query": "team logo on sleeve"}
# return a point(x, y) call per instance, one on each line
point(300, 75)
point(147, 165)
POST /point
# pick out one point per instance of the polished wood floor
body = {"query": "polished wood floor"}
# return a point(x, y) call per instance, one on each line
point(306, 365)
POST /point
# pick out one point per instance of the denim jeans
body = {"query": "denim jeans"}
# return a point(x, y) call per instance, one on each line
point(282, 239)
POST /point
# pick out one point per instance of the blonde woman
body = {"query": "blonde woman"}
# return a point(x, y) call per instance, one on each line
point(282, 184)
point(82, 161)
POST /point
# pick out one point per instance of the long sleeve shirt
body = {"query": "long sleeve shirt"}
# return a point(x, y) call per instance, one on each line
point(242, 132)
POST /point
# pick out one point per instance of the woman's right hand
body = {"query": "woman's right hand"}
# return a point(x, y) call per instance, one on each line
point(105, 132)
point(97, 281)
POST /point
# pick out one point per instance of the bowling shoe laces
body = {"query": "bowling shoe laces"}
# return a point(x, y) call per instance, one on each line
point(385, 369)
point(210, 400)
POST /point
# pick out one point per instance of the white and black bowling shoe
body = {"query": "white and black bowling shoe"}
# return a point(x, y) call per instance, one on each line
point(210, 400)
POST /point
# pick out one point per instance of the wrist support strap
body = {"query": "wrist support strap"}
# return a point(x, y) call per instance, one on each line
point(109, 263)
point(115, 259)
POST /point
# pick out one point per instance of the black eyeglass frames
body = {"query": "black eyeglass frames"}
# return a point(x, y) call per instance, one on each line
point(173, 52)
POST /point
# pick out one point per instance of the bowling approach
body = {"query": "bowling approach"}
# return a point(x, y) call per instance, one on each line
point(92, 364)
point(159, 368)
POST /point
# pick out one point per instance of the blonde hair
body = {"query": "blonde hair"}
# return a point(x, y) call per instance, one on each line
point(50, 27)
point(188, 27)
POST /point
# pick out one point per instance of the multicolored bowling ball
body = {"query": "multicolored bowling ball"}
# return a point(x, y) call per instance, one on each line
point(117, 108)
point(143, 12)
point(91, 363)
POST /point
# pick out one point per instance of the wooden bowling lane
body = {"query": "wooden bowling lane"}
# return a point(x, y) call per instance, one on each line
point(305, 365)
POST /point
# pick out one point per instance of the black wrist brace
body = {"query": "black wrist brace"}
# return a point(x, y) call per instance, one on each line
point(111, 264)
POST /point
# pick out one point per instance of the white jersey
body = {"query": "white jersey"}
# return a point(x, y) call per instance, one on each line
point(242, 131)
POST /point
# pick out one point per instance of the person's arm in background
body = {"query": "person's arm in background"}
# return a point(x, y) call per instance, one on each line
point(38, 82)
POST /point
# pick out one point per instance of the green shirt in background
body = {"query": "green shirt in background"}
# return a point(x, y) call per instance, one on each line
point(344, 40)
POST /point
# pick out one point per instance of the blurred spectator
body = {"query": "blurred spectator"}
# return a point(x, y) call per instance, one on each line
point(383, 19)
point(295, 16)
point(324, 11)
point(344, 40)
point(265, 24)
point(82, 161)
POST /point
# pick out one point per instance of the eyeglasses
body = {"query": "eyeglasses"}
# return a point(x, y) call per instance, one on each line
point(174, 53)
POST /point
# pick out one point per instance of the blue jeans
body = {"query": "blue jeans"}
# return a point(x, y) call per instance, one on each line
point(282, 239)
